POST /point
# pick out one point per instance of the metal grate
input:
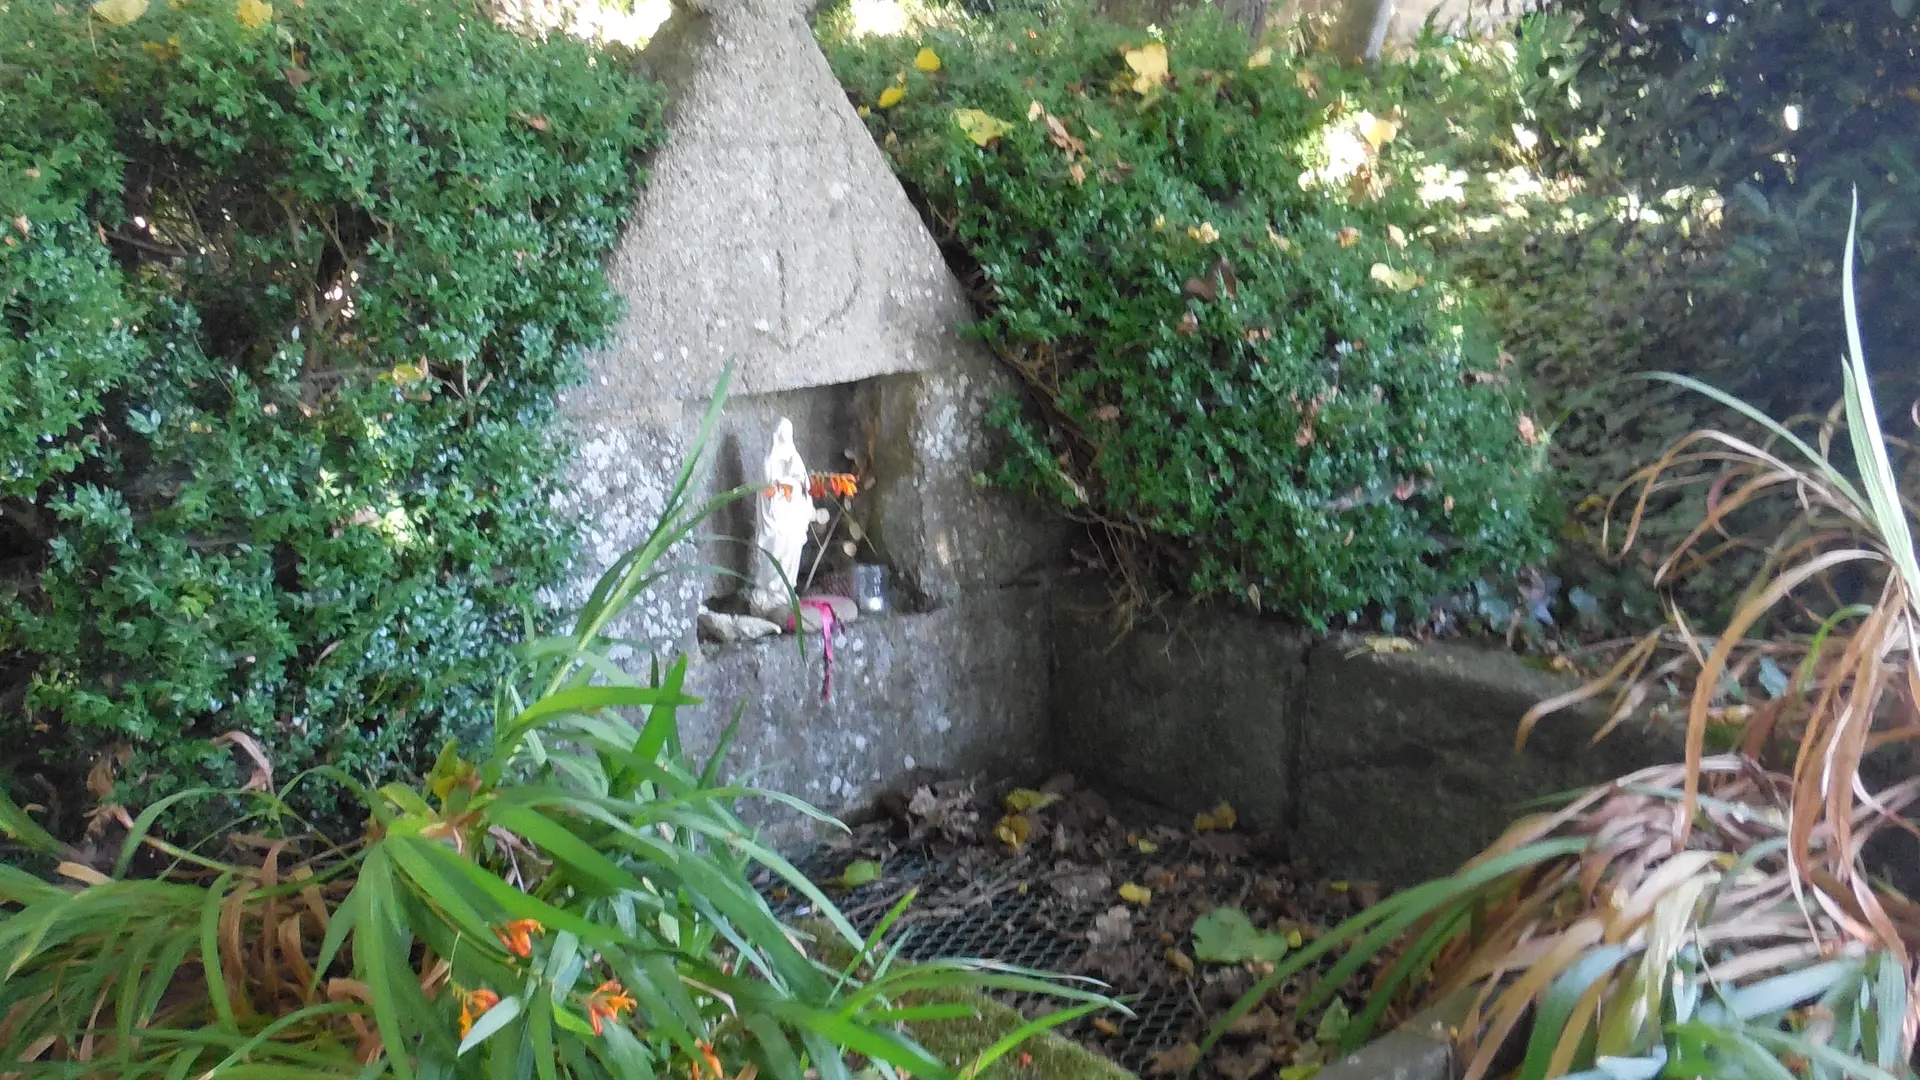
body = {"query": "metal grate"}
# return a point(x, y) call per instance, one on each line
point(1022, 929)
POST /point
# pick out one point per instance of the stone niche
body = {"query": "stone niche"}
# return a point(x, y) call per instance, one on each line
point(772, 238)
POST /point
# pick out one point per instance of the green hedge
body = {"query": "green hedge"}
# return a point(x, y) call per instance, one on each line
point(286, 295)
point(1260, 385)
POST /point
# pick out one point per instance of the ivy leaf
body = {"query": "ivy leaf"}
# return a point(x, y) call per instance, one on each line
point(1226, 936)
point(120, 12)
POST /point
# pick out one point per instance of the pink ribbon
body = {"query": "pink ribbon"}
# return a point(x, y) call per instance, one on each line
point(826, 641)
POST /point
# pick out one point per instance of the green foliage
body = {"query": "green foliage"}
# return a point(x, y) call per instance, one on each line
point(287, 294)
point(1248, 372)
point(575, 902)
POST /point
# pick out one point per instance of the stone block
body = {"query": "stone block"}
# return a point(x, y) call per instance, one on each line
point(940, 529)
point(962, 689)
point(1182, 717)
point(1408, 766)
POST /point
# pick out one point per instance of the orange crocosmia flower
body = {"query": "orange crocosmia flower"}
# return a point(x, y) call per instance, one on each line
point(475, 1006)
point(707, 1065)
point(839, 485)
point(517, 936)
point(785, 491)
point(607, 1003)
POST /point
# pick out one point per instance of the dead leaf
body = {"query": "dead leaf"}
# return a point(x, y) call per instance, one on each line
point(1179, 961)
point(892, 96)
point(1397, 280)
point(1106, 1027)
point(1035, 111)
point(120, 12)
point(1260, 1021)
point(253, 14)
point(1135, 894)
point(926, 60)
point(1189, 324)
point(1348, 236)
point(536, 122)
point(297, 77)
point(1203, 232)
point(1380, 645)
point(1529, 434)
point(85, 875)
point(1261, 57)
point(23, 226)
point(1220, 819)
point(1021, 800)
point(1107, 413)
point(1111, 928)
point(1404, 489)
point(100, 778)
point(1398, 235)
point(1244, 1066)
point(1014, 830)
point(1202, 289)
point(1062, 138)
point(1077, 173)
point(1172, 1062)
point(1149, 65)
point(262, 778)
point(982, 128)
point(1304, 437)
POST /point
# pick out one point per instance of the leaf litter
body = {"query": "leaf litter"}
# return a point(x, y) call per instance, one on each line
point(1186, 910)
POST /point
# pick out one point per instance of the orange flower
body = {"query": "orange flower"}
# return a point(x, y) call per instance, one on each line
point(607, 1003)
point(785, 491)
point(474, 1006)
point(517, 936)
point(707, 1065)
point(839, 485)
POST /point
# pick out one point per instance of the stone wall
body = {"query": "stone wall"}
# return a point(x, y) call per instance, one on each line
point(772, 240)
point(1390, 766)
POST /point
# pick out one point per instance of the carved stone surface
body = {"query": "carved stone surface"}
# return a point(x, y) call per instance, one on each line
point(771, 231)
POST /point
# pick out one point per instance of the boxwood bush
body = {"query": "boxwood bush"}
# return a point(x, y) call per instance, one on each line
point(286, 294)
point(1248, 373)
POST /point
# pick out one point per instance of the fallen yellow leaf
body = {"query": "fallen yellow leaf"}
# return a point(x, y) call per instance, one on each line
point(982, 128)
point(1204, 232)
point(1397, 280)
point(891, 96)
point(1348, 236)
point(1147, 847)
point(1220, 819)
point(253, 14)
point(1377, 130)
point(926, 60)
point(1339, 886)
point(1261, 57)
point(1279, 241)
point(1180, 960)
point(120, 12)
point(1035, 111)
point(1013, 831)
point(1021, 800)
point(1135, 894)
point(1149, 64)
point(1295, 938)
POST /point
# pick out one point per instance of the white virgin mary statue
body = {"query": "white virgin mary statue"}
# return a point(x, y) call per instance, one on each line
point(785, 511)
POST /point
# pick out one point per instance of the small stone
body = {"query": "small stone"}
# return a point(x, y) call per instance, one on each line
point(719, 628)
point(751, 628)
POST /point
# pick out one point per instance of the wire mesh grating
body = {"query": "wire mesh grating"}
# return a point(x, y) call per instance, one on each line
point(1017, 928)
